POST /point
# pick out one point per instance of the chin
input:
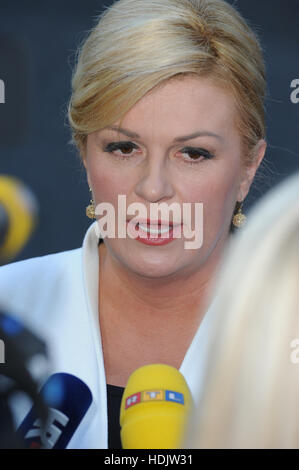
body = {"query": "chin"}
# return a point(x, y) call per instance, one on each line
point(155, 273)
point(157, 266)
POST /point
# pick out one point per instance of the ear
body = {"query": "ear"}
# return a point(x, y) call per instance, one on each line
point(83, 159)
point(250, 171)
point(84, 162)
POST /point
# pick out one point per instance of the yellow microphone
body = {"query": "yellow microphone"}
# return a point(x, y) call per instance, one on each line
point(18, 217)
point(155, 407)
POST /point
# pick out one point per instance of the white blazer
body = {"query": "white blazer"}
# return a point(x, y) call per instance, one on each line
point(56, 296)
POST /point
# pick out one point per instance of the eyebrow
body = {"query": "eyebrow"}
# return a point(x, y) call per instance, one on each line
point(177, 139)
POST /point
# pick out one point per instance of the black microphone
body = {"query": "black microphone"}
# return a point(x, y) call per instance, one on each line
point(68, 399)
point(23, 363)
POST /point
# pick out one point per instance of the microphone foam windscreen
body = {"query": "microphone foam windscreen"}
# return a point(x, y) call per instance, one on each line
point(155, 407)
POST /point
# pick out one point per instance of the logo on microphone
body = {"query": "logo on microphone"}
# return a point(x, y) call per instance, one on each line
point(48, 435)
point(154, 395)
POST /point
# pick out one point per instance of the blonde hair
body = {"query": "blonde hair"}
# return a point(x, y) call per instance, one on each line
point(136, 45)
point(250, 391)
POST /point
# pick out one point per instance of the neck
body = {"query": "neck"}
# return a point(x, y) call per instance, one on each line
point(163, 299)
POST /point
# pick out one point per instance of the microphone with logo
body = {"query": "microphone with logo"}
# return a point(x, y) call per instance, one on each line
point(155, 408)
point(68, 399)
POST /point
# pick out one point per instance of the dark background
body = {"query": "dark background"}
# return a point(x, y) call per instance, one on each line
point(38, 41)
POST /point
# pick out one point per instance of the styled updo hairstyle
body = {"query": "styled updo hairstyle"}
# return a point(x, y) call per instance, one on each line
point(138, 44)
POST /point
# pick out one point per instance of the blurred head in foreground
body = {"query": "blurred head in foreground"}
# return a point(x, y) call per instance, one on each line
point(250, 394)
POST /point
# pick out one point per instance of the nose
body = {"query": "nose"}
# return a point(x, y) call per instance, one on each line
point(154, 183)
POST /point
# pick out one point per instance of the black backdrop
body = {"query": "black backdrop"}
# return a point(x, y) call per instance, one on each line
point(38, 40)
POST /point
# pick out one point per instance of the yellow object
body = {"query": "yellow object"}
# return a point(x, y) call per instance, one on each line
point(155, 408)
point(20, 206)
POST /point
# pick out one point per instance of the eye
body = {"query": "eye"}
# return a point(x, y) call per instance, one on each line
point(122, 149)
point(126, 149)
point(196, 154)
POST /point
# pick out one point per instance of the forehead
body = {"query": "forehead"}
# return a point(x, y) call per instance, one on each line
point(184, 105)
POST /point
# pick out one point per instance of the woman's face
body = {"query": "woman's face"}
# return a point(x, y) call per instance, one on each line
point(152, 166)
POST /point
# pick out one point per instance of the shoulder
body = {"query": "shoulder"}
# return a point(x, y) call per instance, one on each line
point(27, 270)
point(28, 285)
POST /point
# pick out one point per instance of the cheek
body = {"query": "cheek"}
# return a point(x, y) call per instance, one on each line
point(218, 193)
point(107, 183)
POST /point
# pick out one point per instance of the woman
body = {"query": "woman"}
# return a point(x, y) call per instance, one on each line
point(166, 107)
point(250, 392)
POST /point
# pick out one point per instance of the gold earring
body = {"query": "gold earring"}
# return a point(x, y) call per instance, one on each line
point(90, 209)
point(239, 219)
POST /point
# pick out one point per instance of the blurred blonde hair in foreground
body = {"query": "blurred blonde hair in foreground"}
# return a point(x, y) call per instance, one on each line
point(250, 395)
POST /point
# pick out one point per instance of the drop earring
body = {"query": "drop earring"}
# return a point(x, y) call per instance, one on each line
point(90, 209)
point(239, 219)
